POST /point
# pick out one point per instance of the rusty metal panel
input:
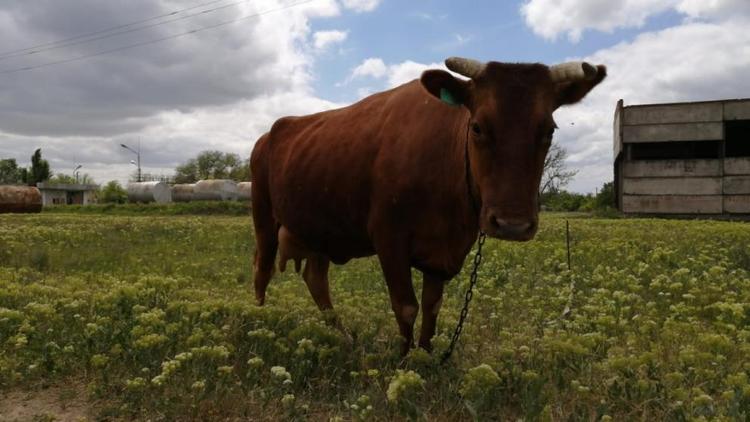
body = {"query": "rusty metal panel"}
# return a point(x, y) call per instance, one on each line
point(20, 199)
point(673, 186)
point(734, 185)
point(737, 166)
point(673, 132)
point(673, 113)
point(672, 204)
point(672, 168)
point(737, 204)
point(737, 110)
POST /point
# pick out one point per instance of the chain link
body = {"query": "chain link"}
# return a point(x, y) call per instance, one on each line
point(467, 298)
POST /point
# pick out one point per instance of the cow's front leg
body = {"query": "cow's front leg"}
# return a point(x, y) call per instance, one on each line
point(432, 298)
point(397, 272)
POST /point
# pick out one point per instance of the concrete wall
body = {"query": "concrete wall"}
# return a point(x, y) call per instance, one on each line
point(54, 197)
point(713, 131)
point(680, 186)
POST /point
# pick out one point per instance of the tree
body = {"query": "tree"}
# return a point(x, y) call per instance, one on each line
point(10, 174)
point(62, 179)
point(213, 165)
point(113, 193)
point(605, 198)
point(39, 169)
point(65, 179)
point(555, 175)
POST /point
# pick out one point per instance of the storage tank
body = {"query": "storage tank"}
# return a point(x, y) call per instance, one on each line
point(158, 192)
point(183, 192)
point(215, 190)
point(17, 199)
point(245, 189)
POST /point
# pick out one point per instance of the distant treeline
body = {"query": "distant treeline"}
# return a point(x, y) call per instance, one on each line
point(562, 200)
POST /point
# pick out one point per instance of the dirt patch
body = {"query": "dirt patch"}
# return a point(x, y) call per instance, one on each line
point(59, 403)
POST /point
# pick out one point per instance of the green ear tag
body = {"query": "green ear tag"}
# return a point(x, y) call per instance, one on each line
point(447, 97)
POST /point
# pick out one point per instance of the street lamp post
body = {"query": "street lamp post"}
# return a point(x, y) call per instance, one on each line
point(138, 157)
point(75, 172)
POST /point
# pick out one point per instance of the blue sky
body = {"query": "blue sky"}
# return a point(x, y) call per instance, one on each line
point(429, 31)
point(220, 89)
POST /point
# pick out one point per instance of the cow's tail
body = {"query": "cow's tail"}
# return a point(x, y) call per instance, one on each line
point(266, 227)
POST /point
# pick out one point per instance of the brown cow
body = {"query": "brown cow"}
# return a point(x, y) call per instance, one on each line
point(412, 175)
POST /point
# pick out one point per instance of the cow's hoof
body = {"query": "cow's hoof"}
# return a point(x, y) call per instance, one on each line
point(426, 345)
point(406, 346)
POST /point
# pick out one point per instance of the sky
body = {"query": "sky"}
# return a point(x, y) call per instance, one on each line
point(80, 77)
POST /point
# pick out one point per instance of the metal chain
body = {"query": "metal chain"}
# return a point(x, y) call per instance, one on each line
point(467, 299)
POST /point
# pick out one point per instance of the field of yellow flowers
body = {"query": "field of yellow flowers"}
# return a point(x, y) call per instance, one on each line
point(154, 314)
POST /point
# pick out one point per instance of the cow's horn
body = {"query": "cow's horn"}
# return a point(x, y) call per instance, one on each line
point(467, 67)
point(572, 71)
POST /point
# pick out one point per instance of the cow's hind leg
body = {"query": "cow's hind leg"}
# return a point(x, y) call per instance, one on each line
point(266, 227)
point(266, 245)
point(432, 298)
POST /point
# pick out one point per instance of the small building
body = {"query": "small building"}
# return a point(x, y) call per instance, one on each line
point(67, 194)
point(683, 158)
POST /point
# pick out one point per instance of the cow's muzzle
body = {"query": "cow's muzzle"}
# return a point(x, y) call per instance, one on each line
point(510, 229)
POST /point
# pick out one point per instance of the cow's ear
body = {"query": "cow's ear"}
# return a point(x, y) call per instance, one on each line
point(573, 92)
point(445, 87)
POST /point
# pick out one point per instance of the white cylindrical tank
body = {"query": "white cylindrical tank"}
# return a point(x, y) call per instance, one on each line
point(245, 189)
point(183, 192)
point(158, 192)
point(215, 190)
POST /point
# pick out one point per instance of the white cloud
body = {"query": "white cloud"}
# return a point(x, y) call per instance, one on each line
point(714, 8)
point(691, 62)
point(393, 75)
point(324, 39)
point(550, 18)
point(361, 5)
point(406, 71)
point(373, 67)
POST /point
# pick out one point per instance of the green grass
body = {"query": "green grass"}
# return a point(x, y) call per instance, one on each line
point(234, 208)
point(155, 314)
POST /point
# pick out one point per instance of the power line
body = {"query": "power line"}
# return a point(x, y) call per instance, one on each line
point(154, 41)
point(114, 34)
point(101, 31)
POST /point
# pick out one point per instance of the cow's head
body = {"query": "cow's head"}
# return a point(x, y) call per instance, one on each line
point(510, 130)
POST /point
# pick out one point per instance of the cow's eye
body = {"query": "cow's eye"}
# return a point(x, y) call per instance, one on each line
point(476, 129)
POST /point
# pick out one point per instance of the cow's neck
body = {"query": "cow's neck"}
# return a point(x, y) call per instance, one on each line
point(470, 200)
point(471, 188)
